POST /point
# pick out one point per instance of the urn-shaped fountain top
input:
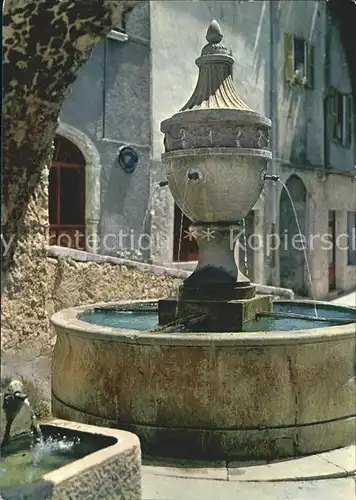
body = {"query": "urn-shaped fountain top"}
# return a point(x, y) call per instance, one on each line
point(215, 115)
point(216, 145)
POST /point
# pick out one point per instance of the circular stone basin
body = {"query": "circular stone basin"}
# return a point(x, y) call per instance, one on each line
point(281, 388)
point(147, 318)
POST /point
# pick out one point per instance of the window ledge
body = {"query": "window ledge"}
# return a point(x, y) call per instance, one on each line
point(299, 85)
point(339, 143)
point(118, 36)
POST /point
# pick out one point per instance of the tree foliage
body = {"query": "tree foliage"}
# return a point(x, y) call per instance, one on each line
point(45, 43)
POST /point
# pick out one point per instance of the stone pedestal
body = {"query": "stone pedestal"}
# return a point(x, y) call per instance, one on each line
point(217, 276)
point(216, 289)
point(220, 316)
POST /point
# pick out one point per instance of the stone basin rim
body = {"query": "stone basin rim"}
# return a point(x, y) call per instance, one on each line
point(67, 321)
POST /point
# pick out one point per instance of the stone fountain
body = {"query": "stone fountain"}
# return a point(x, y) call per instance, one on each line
point(237, 383)
point(216, 158)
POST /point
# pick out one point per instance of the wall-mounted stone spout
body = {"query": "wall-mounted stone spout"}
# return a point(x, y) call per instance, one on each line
point(216, 157)
point(13, 401)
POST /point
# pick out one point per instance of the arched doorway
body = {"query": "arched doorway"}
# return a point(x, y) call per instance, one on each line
point(185, 247)
point(67, 195)
point(291, 254)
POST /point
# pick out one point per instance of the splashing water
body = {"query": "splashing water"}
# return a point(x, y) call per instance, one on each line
point(304, 247)
point(41, 450)
point(27, 461)
point(245, 246)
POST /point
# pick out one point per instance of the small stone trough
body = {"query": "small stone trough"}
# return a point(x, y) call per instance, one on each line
point(113, 472)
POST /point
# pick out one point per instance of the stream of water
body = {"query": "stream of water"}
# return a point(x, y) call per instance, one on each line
point(149, 210)
point(245, 247)
point(34, 424)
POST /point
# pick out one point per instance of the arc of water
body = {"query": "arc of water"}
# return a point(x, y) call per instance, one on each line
point(304, 249)
point(245, 246)
point(148, 210)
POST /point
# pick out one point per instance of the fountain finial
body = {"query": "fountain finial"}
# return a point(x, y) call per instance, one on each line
point(215, 87)
point(214, 34)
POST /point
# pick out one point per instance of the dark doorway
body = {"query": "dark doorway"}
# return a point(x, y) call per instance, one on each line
point(67, 196)
point(332, 251)
point(185, 247)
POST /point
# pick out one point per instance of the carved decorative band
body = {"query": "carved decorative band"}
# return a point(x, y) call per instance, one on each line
point(206, 136)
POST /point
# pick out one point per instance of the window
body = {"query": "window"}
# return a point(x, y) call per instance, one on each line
point(342, 118)
point(298, 61)
point(351, 231)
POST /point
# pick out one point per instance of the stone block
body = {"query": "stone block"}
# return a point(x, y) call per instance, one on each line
point(223, 316)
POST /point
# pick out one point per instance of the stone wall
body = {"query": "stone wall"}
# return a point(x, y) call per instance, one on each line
point(71, 281)
point(57, 282)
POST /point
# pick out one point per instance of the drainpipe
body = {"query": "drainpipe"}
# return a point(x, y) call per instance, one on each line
point(326, 135)
point(326, 152)
point(273, 6)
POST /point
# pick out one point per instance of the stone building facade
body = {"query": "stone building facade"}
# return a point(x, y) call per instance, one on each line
point(290, 65)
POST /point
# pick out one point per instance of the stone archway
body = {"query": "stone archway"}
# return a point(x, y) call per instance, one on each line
point(92, 182)
point(291, 254)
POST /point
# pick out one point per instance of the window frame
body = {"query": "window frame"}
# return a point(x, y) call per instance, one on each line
point(290, 72)
point(341, 126)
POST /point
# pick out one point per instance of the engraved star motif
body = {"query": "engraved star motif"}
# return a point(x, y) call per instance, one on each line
point(190, 234)
point(208, 234)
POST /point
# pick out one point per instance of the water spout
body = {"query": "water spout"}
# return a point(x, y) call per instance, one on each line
point(271, 177)
point(14, 399)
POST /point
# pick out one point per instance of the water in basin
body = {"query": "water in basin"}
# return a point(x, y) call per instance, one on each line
point(142, 320)
point(129, 320)
point(23, 462)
